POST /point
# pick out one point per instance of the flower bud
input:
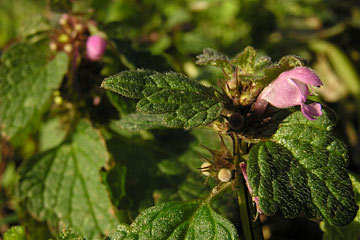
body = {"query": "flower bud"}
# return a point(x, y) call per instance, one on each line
point(64, 18)
point(205, 168)
point(53, 46)
point(236, 121)
point(63, 38)
point(224, 175)
point(95, 47)
point(78, 27)
point(68, 48)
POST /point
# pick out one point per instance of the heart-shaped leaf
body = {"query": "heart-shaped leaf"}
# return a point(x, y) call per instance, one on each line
point(64, 183)
point(302, 167)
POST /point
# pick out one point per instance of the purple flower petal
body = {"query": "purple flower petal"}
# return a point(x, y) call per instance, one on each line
point(290, 88)
point(283, 93)
point(303, 89)
point(304, 75)
point(311, 110)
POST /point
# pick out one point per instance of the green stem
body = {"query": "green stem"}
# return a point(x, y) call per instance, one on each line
point(216, 190)
point(251, 229)
point(245, 214)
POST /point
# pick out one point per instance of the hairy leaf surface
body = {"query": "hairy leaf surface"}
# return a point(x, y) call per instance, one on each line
point(246, 60)
point(178, 220)
point(183, 103)
point(138, 121)
point(250, 67)
point(351, 231)
point(215, 58)
point(27, 79)
point(69, 235)
point(302, 168)
point(65, 182)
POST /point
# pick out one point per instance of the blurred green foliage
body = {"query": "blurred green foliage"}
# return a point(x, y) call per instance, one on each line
point(167, 35)
point(16, 16)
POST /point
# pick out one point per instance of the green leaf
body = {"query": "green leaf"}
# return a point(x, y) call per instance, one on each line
point(143, 173)
point(27, 79)
point(184, 103)
point(15, 233)
point(245, 60)
point(178, 220)
point(261, 63)
point(52, 133)
point(64, 182)
point(251, 68)
point(215, 58)
point(166, 173)
point(69, 235)
point(37, 26)
point(122, 104)
point(138, 121)
point(351, 231)
point(171, 167)
point(302, 168)
point(115, 179)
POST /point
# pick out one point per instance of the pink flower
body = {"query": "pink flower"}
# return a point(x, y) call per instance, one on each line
point(95, 47)
point(289, 89)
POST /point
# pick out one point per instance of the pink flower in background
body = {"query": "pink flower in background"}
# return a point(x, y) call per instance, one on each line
point(95, 47)
point(289, 89)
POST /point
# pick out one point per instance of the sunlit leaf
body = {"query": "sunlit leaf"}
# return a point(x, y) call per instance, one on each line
point(15, 233)
point(183, 103)
point(178, 220)
point(302, 168)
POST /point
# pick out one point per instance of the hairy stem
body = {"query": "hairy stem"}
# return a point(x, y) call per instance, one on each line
point(216, 190)
point(251, 229)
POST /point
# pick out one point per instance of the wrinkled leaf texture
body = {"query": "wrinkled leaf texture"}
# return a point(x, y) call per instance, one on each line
point(302, 168)
point(64, 183)
point(182, 102)
point(177, 220)
point(28, 76)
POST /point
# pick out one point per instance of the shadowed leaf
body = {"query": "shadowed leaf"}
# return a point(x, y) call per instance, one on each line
point(65, 182)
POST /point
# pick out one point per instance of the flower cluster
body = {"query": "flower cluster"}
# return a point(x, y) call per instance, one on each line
point(291, 88)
